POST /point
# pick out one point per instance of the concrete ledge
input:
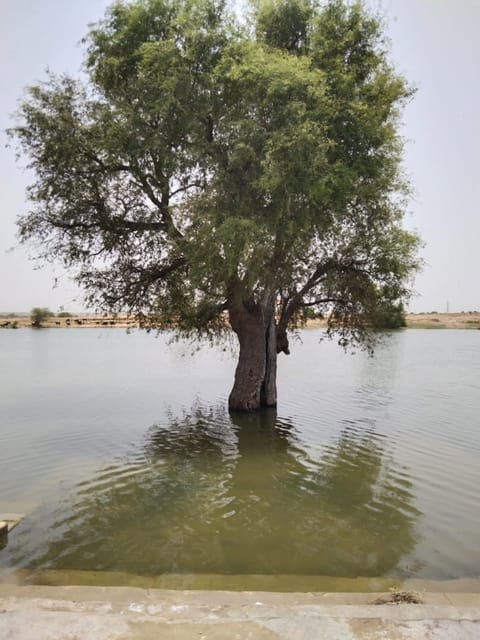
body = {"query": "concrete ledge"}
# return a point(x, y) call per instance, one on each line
point(282, 583)
point(11, 519)
point(126, 613)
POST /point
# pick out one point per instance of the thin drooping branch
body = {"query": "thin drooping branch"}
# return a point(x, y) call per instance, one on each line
point(114, 223)
point(159, 273)
point(128, 284)
point(294, 302)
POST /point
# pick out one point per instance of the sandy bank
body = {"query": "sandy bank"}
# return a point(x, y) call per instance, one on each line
point(464, 320)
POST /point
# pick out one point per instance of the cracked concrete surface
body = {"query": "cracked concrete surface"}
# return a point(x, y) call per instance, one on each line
point(116, 613)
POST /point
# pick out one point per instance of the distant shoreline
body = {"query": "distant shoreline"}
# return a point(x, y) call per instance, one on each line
point(464, 320)
point(77, 321)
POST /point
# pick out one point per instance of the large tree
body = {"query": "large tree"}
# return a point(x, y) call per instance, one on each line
point(211, 170)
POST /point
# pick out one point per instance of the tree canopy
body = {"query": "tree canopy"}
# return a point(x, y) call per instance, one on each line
point(38, 315)
point(210, 166)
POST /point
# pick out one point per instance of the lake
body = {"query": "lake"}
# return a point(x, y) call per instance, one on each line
point(121, 452)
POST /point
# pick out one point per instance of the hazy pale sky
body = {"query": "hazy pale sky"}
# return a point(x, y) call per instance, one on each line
point(434, 43)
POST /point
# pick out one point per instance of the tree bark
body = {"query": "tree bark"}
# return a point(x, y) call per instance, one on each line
point(255, 376)
point(268, 393)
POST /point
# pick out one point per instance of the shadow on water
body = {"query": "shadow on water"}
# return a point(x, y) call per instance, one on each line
point(241, 494)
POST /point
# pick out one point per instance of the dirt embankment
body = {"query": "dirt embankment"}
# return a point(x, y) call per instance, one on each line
point(83, 321)
point(464, 320)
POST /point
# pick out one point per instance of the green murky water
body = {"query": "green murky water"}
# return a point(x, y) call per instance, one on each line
point(121, 453)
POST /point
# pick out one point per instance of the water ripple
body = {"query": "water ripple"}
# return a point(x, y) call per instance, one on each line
point(370, 468)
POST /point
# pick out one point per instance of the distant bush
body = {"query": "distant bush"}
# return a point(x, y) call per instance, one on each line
point(64, 314)
point(391, 316)
point(39, 315)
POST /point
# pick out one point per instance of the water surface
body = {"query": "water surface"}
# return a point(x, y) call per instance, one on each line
point(120, 451)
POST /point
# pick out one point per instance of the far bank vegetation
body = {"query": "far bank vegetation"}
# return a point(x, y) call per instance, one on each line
point(65, 319)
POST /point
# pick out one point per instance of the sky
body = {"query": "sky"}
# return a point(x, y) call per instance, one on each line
point(434, 43)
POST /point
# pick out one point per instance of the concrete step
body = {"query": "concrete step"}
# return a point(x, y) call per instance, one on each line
point(113, 613)
point(11, 519)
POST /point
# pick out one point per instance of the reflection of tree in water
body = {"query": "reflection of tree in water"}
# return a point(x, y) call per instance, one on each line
point(343, 512)
point(216, 494)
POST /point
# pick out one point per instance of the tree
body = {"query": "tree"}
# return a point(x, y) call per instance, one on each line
point(391, 316)
point(211, 170)
point(38, 315)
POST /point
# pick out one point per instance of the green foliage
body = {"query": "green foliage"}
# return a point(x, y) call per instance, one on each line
point(38, 315)
point(390, 316)
point(207, 162)
point(284, 24)
point(64, 314)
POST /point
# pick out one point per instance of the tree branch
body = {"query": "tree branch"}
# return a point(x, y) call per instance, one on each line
point(322, 301)
point(295, 301)
point(109, 224)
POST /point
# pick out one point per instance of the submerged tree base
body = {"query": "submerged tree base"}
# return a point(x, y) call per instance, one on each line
point(254, 386)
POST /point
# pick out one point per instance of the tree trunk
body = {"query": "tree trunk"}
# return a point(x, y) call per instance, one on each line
point(268, 393)
point(255, 376)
